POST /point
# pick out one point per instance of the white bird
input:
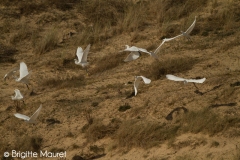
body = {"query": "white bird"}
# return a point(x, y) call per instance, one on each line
point(82, 57)
point(135, 53)
point(31, 119)
point(137, 81)
point(185, 34)
point(174, 78)
point(132, 56)
point(11, 73)
point(24, 74)
point(18, 96)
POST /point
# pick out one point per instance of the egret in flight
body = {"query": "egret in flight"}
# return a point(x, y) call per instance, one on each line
point(24, 74)
point(11, 73)
point(18, 96)
point(137, 81)
point(185, 34)
point(31, 119)
point(136, 52)
point(82, 57)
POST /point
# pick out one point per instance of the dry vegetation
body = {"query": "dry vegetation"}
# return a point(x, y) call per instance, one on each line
point(95, 116)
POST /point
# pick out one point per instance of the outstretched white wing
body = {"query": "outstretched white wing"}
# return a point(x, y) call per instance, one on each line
point(189, 30)
point(196, 80)
point(18, 94)
point(23, 70)
point(79, 53)
point(11, 73)
point(157, 50)
point(132, 56)
point(133, 48)
point(145, 80)
point(137, 81)
point(85, 54)
point(21, 116)
point(35, 115)
point(174, 78)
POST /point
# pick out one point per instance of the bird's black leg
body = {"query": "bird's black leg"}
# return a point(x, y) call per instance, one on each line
point(27, 86)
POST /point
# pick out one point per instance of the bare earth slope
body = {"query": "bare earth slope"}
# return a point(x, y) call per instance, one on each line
point(95, 116)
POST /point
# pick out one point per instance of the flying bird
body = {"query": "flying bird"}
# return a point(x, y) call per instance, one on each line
point(82, 57)
point(185, 34)
point(24, 74)
point(137, 81)
point(136, 52)
point(18, 96)
point(11, 73)
point(175, 78)
point(31, 119)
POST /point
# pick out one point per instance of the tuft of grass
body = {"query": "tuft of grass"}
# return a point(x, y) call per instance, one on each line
point(158, 70)
point(137, 133)
point(7, 53)
point(48, 42)
point(97, 130)
point(75, 81)
point(23, 33)
point(108, 62)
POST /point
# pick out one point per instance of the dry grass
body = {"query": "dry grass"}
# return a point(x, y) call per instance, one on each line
point(7, 53)
point(48, 42)
point(141, 133)
point(97, 130)
point(158, 70)
point(74, 81)
point(23, 32)
point(108, 62)
point(27, 143)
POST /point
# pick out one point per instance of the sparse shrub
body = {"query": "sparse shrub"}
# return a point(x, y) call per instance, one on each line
point(124, 107)
point(215, 144)
point(48, 42)
point(95, 149)
point(94, 104)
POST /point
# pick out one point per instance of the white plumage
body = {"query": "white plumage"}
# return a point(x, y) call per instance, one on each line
point(18, 95)
point(31, 119)
point(135, 53)
point(175, 78)
point(24, 74)
point(185, 34)
point(82, 56)
point(137, 81)
point(11, 73)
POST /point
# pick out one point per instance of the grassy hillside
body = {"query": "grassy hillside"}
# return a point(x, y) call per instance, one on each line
point(95, 116)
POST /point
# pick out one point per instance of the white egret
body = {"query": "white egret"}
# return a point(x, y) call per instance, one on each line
point(185, 34)
point(82, 57)
point(175, 78)
point(11, 73)
point(31, 119)
point(135, 53)
point(24, 74)
point(137, 81)
point(18, 96)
